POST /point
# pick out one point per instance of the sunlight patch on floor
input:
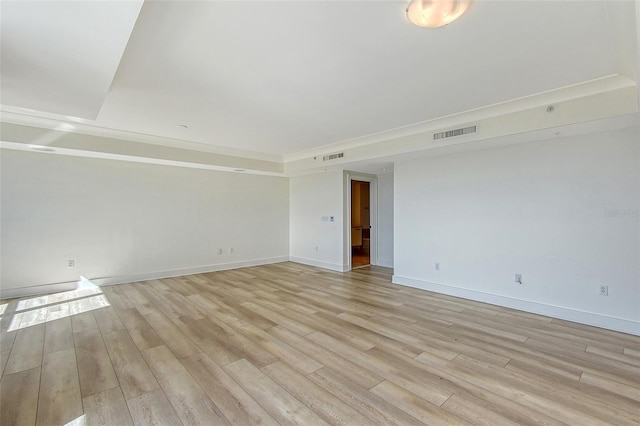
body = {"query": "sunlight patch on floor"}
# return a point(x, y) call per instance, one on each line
point(80, 421)
point(40, 309)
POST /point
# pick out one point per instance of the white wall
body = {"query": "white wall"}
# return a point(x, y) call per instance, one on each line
point(385, 220)
point(127, 221)
point(540, 209)
point(311, 198)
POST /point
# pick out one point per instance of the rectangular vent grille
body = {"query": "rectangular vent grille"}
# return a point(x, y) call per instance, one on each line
point(456, 132)
point(332, 156)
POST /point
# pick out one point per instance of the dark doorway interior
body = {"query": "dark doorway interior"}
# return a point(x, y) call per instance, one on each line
point(360, 224)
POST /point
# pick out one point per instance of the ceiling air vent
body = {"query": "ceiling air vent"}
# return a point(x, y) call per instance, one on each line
point(333, 156)
point(455, 132)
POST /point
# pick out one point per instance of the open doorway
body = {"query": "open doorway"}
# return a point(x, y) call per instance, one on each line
point(360, 224)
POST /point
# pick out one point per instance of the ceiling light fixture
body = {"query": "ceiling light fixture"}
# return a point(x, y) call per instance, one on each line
point(436, 13)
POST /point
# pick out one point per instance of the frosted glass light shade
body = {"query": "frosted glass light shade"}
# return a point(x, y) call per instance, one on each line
point(436, 13)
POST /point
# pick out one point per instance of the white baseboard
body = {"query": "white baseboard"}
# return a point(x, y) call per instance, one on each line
point(12, 293)
point(312, 262)
point(186, 271)
point(588, 318)
point(121, 279)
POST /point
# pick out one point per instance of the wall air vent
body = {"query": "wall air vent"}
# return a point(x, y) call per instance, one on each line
point(455, 132)
point(333, 156)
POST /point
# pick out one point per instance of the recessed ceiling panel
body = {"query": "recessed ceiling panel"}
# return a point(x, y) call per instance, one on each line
point(288, 76)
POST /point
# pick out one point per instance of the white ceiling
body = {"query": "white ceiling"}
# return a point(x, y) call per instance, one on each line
point(61, 56)
point(281, 77)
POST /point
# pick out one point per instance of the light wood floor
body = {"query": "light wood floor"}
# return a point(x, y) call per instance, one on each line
point(291, 344)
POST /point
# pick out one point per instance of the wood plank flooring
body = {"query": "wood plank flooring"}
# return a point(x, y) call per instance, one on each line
point(297, 345)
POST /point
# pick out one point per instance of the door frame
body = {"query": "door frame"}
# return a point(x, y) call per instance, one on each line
point(373, 216)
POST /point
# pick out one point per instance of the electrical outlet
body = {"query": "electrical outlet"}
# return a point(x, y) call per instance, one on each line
point(604, 290)
point(518, 279)
point(71, 263)
point(437, 266)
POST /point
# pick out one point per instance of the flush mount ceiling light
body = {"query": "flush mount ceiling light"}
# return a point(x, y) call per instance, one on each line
point(436, 13)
